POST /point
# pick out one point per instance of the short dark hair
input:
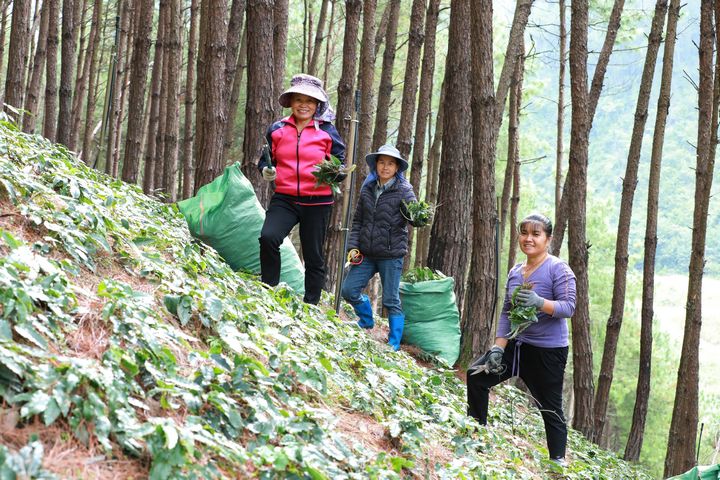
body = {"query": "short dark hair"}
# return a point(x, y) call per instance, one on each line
point(540, 219)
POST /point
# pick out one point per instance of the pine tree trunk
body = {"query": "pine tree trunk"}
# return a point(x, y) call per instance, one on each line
point(433, 176)
point(329, 52)
point(578, 248)
point(410, 83)
point(382, 28)
point(513, 155)
point(637, 428)
point(127, 47)
point(450, 240)
point(154, 113)
point(280, 38)
point(80, 74)
point(94, 47)
point(386, 83)
point(160, 178)
point(514, 206)
point(488, 107)
point(683, 426)
point(188, 136)
point(82, 84)
point(559, 144)
point(113, 110)
point(136, 103)
point(3, 27)
point(33, 93)
point(234, 99)
point(561, 214)
point(173, 44)
point(617, 308)
point(18, 51)
point(67, 69)
point(312, 68)
point(262, 97)
point(345, 107)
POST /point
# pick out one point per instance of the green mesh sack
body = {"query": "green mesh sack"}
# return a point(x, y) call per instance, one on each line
point(432, 320)
point(226, 215)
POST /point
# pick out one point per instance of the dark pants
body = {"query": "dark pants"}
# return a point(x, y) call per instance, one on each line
point(542, 370)
point(281, 216)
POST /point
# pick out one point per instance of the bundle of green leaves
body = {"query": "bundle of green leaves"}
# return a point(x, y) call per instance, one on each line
point(520, 317)
point(418, 213)
point(327, 171)
point(421, 274)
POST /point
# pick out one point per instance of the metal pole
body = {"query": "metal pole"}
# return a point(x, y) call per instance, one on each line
point(347, 200)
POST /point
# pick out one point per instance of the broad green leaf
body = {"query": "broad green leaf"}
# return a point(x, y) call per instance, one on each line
point(52, 412)
point(171, 435)
point(38, 403)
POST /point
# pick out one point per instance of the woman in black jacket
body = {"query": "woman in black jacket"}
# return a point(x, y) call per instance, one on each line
point(379, 239)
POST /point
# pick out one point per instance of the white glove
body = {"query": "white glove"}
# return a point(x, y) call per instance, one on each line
point(269, 173)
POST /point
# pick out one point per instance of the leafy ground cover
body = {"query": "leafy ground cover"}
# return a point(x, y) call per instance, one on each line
point(128, 350)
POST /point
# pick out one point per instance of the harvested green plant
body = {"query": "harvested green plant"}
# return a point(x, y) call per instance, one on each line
point(418, 213)
point(520, 317)
point(331, 172)
point(421, 274)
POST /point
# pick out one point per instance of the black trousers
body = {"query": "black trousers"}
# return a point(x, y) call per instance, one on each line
point(281, 216)
point(542, 370)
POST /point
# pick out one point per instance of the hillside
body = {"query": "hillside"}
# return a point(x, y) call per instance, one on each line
point(128, 350)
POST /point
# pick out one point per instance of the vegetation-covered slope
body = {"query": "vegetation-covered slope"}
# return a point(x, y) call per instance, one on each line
point(128, 350)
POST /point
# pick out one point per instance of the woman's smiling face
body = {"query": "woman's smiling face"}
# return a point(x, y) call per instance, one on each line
point(303, 107)
point(532, 239)
point(386, 167)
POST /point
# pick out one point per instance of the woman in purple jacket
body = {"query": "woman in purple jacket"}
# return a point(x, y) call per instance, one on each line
point(297, 144)
point(539, 353)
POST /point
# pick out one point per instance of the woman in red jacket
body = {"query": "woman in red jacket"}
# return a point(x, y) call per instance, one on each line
point(297, 144)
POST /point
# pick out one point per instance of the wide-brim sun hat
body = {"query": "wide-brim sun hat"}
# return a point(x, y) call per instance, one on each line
point(390, 151)
point(306, 85)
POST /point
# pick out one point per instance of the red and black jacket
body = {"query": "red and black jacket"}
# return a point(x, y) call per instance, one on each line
point(296, 153)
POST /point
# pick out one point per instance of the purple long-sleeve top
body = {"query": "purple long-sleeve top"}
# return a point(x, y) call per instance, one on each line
point(553, 280)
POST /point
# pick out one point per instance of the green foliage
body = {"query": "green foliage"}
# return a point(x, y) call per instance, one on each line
point(327, 171)
point(418, 213)
point(521, 317)
point(205, 371)
point(421, 274)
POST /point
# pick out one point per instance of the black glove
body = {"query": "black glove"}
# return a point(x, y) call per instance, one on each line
point(340, 177)
point(490, 362)
point(419, 223)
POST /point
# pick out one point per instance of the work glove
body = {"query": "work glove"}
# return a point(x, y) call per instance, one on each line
point(489, 362)
point(419, 223)
point(269, 173)
point(340, 177)
point(528, 298)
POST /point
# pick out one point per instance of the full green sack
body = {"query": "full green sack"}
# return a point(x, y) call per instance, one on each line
point(226, 215)
point(432, 320)
point(708, 472)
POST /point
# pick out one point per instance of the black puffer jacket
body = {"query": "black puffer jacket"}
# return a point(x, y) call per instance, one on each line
point(379, 229)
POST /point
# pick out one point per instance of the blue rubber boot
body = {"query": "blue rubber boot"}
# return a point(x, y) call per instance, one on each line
point(364, 311)
point(397, 322)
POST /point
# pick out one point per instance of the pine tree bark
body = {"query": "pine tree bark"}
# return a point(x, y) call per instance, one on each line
point(79, 23)
point(346, 84)
point(433, 175)
point(67, 69)
point(262, 97)
point(189, 136)
point(173, 45)
point(18, 51)
point(94, 47)
point(51, 92)
point(683, 426)
point(488, 107)
point(113, 114)
point(319, 36)
point(233, 74)
point(451, 234)
point(234, 99)
point(136, 103)
point(160, 180)
point(154, 113)
point(329, 52)
point(578, 247)
point(124, 80)
point(3, 27)
point(410, 83)
point(637, 428)
point(345, 106)
point(280, 38)
point(32, 98)
point(617, 307)
point(386, 83)
point(514, 206)
point(561, 214)
point(513, 150)
point(82, 85)
point(559, 144)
